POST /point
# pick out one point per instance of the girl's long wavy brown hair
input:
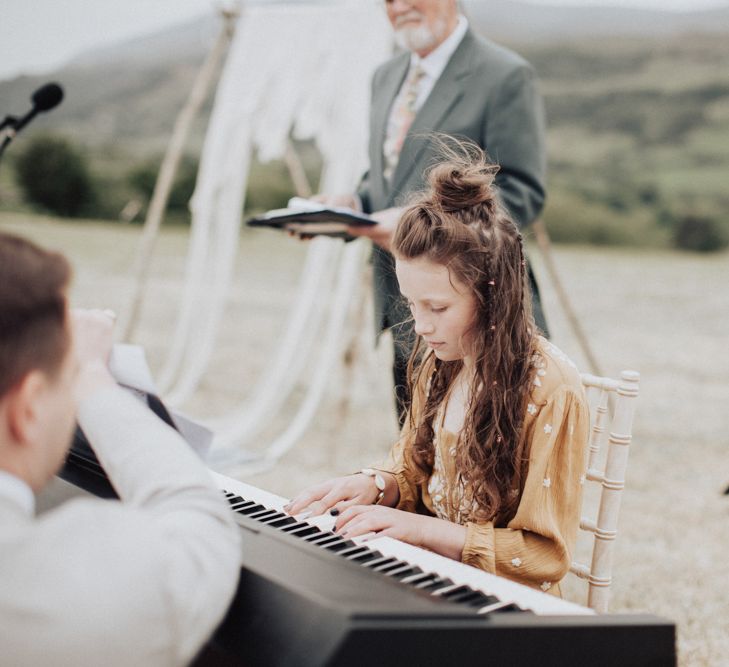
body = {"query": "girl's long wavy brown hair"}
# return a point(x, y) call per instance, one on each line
point(459, 222)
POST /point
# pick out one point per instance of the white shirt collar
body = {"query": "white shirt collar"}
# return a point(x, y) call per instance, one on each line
point(17, 491)
point(435, 62)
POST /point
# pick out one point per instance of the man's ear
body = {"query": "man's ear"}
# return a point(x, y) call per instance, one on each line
point(24, 407)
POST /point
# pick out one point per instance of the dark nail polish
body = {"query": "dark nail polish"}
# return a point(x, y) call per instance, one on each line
point(334, 511)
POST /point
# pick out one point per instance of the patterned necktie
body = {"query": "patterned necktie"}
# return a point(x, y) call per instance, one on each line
point(401, 119)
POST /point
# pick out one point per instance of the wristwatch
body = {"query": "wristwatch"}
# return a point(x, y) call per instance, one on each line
point(379, 483)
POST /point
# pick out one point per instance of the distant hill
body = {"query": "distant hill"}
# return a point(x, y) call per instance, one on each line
point(522, 22)
point(637, 114)
point(128, 94)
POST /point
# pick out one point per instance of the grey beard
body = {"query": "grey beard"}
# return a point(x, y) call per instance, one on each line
point(421, 38)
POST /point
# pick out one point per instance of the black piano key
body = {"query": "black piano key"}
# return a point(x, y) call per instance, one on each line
point(258, 516)
point(380, 562)
point(430, 586)
point(240, 504)
point(293, 526)
point(419, 578)
point(320, 539)
point(273, 518)
point(305, 530)
point(354, 549)
point(513, 607)
point(286, 520)
point(329, 539)
point(466, 596)
point(361, 551)
point(340, 545)
point(403, 573)
point(483, 600)
point(505, 607)
point(314, 536)
point(397, 566)
point(245, 507)
point(250, 509)
point(453, 591)
point(365, 557)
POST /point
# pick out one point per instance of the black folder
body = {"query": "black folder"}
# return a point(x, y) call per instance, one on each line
point(324, 221)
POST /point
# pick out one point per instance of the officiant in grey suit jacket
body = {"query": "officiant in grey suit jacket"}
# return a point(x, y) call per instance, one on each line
point(467, 87)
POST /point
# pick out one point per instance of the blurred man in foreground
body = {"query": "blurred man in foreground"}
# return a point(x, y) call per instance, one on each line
point(143, 581)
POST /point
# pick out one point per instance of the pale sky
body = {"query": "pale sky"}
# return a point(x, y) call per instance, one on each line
point(38, 36)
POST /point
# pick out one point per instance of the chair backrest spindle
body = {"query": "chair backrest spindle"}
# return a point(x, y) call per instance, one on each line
point(611, 478)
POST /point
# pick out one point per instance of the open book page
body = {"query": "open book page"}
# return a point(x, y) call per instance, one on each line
point(311, 218)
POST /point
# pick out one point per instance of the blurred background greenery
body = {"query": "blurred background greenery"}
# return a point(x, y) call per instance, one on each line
point(638, 135)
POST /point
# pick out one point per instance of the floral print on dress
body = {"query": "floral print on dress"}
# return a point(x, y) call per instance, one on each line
point(451, 502)
point(539, 533)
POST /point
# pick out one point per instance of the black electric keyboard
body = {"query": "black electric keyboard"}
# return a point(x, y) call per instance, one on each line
point(307, 597)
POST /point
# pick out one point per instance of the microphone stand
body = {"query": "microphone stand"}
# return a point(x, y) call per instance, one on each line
point(44, 99)
point(9, 120)
point(7, 135)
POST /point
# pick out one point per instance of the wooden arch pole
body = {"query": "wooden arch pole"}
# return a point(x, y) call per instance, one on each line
point(545, 247)
point(170, 164)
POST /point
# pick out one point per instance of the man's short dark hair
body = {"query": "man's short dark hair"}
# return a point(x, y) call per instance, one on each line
point(33, 331)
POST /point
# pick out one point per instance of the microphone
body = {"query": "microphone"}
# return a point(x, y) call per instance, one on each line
point(44, 99)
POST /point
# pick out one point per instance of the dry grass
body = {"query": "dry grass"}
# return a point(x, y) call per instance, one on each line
point(663, 314)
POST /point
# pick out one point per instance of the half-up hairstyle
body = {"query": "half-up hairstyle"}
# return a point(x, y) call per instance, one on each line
point(460, 223)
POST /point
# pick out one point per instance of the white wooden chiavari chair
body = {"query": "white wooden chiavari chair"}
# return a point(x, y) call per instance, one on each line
point(605, 469)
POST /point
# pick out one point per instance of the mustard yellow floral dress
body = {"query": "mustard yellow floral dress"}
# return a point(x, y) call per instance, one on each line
point(534, 546)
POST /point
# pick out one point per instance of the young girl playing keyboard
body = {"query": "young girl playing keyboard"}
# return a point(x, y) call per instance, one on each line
point(488, 468)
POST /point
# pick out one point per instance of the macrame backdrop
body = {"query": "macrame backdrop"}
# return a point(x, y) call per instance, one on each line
point(291, 67)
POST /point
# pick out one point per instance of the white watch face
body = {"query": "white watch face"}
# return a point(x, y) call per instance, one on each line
point(380, 482)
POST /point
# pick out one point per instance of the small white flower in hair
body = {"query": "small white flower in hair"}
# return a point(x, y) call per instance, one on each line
point(546, 482)
point(547, 428)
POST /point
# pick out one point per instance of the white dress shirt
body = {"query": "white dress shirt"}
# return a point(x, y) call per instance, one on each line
point(15, 491)
point(140, 582)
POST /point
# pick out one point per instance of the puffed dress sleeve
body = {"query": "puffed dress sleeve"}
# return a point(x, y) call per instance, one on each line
point(535, 547)
point(398, 461)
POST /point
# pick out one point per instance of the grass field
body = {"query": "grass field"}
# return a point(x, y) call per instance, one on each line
point(664, 314)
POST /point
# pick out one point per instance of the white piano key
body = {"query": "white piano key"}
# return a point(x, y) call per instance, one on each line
point(323, 522)
point(248, 491)
point(506, 590)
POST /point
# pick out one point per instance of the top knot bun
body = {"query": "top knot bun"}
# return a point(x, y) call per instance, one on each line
point(457, 185)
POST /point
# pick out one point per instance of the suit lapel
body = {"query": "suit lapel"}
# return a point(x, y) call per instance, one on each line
point(381, 110)
point(446, 93)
